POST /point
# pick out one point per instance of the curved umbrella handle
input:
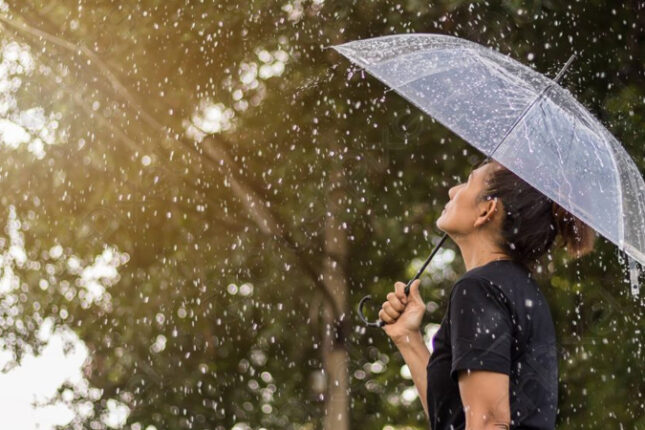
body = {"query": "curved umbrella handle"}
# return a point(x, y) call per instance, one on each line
point(380, 322)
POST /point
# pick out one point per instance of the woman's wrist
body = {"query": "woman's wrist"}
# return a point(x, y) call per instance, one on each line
point(411, 338)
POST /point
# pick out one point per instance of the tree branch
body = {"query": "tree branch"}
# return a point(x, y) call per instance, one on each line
point(264, 218)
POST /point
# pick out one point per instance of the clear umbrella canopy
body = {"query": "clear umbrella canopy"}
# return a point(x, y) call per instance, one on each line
point(520, 118)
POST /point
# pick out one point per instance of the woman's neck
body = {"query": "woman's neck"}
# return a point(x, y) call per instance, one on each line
point(472, 265)
point(480, 253)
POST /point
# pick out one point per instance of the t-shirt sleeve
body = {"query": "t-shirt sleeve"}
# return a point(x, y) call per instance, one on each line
point(481, 328)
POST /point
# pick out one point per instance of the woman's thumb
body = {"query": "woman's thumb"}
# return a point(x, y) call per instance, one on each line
point(414, 291)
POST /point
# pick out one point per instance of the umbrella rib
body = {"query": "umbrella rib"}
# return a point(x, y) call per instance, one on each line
point(613, 156)
point(619, 185)
point(521, 116)
point(479, 84)
point(544, 90)
point(521, 83)
point(572, 137)
point(560, 155)
point(416, 78)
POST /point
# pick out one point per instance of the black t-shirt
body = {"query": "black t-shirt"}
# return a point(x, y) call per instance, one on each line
point(497, 319)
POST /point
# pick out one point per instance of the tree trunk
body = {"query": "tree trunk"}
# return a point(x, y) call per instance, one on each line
point(334, 350)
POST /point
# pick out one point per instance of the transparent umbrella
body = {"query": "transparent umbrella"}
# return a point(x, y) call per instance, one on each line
point(522, 119)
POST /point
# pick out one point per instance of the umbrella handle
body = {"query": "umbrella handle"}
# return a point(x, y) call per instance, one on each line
point(380, 322)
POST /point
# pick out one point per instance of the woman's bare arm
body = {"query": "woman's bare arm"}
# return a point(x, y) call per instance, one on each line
point(402, 315)
point(416, 356)
point(485, 397)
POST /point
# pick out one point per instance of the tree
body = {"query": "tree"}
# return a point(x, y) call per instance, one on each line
point(257, 188)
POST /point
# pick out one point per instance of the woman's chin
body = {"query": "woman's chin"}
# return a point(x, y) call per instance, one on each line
point(442, 223)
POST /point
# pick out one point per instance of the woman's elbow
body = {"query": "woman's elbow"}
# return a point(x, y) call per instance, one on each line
point(488, 421)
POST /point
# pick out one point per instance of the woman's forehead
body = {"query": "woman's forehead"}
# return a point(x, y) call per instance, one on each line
point(483, 170)
point(482, 165)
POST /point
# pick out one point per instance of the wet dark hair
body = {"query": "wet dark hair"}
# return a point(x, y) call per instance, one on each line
point(532, 221)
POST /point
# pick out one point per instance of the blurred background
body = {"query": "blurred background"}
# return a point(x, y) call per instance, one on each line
point(196, 194)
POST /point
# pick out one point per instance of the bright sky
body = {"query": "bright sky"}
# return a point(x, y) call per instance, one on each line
point(36, 380)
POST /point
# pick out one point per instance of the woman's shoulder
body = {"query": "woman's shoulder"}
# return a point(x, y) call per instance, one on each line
point(511, 286)
point(510, 279)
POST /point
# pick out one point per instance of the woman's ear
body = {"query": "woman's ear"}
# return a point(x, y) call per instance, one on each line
point(487, 212)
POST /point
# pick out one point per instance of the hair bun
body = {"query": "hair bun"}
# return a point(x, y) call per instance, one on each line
point(578, 238)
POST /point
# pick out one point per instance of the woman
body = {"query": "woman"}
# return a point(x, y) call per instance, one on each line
point(494, 362)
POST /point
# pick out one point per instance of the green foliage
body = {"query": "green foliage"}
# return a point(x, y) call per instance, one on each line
point(126, 79)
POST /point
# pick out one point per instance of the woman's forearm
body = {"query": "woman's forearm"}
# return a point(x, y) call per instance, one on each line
point(416, 356)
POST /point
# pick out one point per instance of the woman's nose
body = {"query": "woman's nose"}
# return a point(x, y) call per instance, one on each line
point(451, 192)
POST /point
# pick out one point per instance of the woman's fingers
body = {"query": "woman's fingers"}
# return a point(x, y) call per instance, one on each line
point(387, 307)
point(399, 290)
point(395, 302)
point(385, 317)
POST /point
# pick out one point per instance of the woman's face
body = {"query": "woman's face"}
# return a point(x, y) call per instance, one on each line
point(463, 213)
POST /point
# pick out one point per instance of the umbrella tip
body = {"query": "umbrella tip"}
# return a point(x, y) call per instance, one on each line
point(634, 274)
point(564, 68)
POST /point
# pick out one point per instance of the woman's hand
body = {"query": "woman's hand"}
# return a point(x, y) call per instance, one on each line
point(402, 314)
